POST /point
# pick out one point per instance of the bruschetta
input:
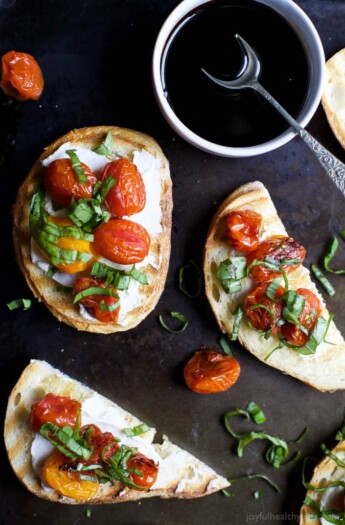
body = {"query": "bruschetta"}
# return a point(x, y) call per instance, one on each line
point(68, 443)
point(262, 295)
point(92, 227)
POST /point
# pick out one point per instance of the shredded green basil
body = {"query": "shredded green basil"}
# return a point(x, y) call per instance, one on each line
point(238, 315)
point(19, 303)
point(330, 454)
point(231, 272)
point(70, 443)
point(256, 413)
point(273, 288)
point(136, 431)
point(77, 167)
point(106, 147)
point(331, 251)
point(101, 191)
point(256, 476)
point(225, 346)
point(182, 278)
point(88, 513)
point(94, 290)
point(323, 280)
point(175, 315)
point(120, 279)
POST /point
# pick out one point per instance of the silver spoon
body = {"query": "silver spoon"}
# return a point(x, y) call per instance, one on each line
point(248, 78)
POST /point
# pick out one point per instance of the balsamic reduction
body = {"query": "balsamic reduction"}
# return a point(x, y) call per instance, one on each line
point(206, 39)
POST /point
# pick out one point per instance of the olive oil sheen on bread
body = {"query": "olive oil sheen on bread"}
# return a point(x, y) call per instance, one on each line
point(206, 39)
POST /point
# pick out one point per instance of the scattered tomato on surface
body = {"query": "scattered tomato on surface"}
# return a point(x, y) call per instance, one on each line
point(243, 229)
point(209, 371)
point(21, 76)
point(128, 195)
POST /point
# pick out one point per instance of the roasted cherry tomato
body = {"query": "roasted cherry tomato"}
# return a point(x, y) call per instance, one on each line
point(93, 302)
point(62, 184)
point(55, 409)
point(57, 474)
point(128, 195)
point(243, 230)
point(98, 441)
point(279, 248)
point(122, 241)
point(209, 371)
point(21, 76)
point(308, 318)
point(146, 466)
point(270, 312)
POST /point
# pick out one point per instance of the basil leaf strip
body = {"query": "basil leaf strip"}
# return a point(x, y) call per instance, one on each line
point(19, 303)
point(230, 273)
point(330, 454)
point(225, 346)
point(323, 280)
point(136, 431)
point(117, 467)
point(94, 290)
point(77, 167)
point(272, 289)
point(118, 278)
point(331, 251)
point(256, 476)
point(175, 315)
point(238, 315)
point(256, 413)
point(109, 307)
point(181, 280)
point(106, 147)
point(321, 489)
point(68, 442)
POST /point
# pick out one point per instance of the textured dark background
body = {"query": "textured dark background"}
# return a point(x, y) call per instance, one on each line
point(95, 56)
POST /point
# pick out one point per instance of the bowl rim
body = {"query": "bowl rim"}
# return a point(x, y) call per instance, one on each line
point(310, 40)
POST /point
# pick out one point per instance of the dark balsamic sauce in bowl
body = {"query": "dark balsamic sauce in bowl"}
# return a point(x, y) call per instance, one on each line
point(206, 39)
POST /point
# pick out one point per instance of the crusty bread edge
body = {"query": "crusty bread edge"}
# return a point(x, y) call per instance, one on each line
point(333, 119)
point(126, 141)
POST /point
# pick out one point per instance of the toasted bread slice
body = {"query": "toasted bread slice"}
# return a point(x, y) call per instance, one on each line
point(325, 473)
point(180, 475)
point(324, 370)
point(333, 96)
point(126, 143)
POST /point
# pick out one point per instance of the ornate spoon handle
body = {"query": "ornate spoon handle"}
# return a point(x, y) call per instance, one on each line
point(333, 167)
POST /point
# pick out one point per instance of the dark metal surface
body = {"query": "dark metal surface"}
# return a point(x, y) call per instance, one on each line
point(95, 57)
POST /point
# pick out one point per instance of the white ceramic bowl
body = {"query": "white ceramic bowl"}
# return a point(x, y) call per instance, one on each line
point(311, 42)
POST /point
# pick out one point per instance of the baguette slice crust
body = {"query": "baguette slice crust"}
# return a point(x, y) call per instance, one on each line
point(188, 479)
point(126, 142)
point(324, 370)
point(326, 472)
point(333, 95)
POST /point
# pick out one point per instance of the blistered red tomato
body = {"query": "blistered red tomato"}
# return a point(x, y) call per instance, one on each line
point(57, 475)
point(93, 302)
point(62, 183)
point(55, 409)
point(308, 318)
point(122, 241)
point(103, 444)
point(243, 230)
point(128, 195)
point(147, 467)
point(263, 312)
point(279, 248)
point(208, 372)
point(21, 76)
